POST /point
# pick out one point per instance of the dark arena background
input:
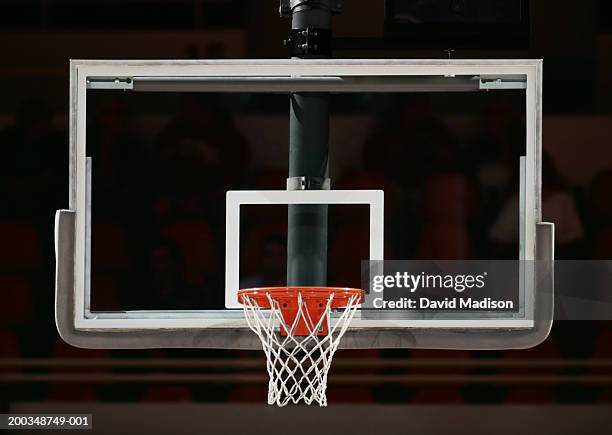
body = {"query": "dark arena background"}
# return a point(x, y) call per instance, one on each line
point(163, 162)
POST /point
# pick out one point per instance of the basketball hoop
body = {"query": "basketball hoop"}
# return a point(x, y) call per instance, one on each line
point(299, 336)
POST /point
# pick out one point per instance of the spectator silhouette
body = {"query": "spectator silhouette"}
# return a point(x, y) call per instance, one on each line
point(494, 157)
point(119, 160)
point(600, 213)
point(34, 168)
point(397, 147)
point(199, 155)
point(272, 270)
point(162, 285)
point(558, 206)
point(409, 147)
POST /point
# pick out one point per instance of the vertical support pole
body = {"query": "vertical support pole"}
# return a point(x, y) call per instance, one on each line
point(308, 160)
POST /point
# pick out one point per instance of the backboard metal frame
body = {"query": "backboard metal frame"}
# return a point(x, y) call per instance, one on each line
point(80, 326)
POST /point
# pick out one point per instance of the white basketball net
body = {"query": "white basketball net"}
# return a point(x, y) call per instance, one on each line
point(298, 365)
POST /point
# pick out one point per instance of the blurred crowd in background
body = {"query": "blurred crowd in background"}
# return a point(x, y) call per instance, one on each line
point(158, 216)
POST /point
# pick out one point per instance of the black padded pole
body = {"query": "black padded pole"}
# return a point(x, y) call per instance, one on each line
point(308, 160)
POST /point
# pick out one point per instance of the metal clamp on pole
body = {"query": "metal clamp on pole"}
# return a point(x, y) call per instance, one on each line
point(308, 183)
